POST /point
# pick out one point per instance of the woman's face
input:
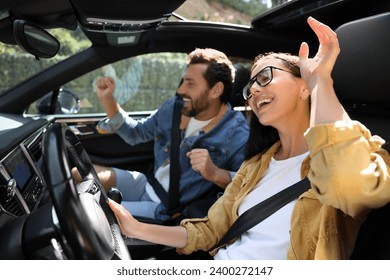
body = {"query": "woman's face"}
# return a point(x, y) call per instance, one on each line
point(276, 102)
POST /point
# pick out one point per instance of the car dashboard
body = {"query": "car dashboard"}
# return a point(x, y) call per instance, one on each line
point(43, 215)
point(22, 186)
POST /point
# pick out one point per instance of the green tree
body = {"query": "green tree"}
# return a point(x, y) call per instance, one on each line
point(249, 7)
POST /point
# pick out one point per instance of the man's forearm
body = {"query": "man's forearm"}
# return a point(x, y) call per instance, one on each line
point(111, 107)
point(221, 178)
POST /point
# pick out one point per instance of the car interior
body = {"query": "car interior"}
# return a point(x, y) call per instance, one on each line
point(46, 145)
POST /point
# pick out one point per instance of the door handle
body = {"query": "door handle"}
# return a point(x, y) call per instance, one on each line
point(82, 129)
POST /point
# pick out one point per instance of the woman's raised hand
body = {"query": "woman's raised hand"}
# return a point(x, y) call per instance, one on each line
point(321, 65)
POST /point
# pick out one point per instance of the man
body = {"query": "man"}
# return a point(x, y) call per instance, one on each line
point(213, 137)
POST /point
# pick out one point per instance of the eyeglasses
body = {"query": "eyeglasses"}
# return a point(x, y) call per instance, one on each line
point(263, 78)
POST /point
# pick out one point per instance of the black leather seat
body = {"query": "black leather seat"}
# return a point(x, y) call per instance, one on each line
point(361, 74)
point(240, 81)
point(361, 80)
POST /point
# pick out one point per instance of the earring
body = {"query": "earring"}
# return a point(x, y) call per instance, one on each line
point(303, 95)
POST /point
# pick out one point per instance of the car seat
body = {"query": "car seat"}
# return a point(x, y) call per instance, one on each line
point(240, 81)
point(361, 77)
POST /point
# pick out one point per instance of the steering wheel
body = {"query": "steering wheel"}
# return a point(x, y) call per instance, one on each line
point(88, 226)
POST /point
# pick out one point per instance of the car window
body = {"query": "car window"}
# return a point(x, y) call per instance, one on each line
point(143, 83)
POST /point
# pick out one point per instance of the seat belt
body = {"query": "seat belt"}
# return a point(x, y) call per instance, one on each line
point(174, 168)
point(171, 198)
point(262, 210)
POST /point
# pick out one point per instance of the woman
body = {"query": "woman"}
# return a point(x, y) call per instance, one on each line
point(298, 128)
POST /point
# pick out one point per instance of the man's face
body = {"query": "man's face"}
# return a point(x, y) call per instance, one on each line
point(195, 91)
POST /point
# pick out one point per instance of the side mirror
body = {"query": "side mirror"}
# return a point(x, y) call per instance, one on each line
point(66, 102)
point(69, 102)
point(35, 40)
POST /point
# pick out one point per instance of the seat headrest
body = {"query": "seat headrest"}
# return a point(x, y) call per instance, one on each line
point(240, 81)
point(362, 70)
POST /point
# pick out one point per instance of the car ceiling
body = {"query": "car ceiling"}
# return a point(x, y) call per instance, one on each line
point(288, 19)
point(68, 13)
point(64, 13)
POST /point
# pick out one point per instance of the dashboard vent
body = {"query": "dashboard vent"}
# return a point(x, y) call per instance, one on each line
point(34, 145)
point(9, 204)
point(36, 150)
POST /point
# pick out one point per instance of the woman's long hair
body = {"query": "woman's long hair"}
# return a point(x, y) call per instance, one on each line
point(261, 137)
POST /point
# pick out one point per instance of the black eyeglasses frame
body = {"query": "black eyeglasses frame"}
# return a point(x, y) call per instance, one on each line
point(253, 80)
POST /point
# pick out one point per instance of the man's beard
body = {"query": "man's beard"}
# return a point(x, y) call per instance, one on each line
point(199, 106)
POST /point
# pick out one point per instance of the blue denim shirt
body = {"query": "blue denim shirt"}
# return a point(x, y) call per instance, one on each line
point(225, 143)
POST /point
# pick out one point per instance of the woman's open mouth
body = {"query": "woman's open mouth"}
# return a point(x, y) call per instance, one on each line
point(263, 102)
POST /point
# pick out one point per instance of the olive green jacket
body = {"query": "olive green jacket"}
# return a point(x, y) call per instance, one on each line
point(349, 174)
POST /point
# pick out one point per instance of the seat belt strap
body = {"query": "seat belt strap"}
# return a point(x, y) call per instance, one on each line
point(262, 210)
point(171, 198)
point(174, 169)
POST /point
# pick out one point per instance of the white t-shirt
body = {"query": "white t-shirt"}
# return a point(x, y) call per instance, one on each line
point(162, 173)
point(270, 239)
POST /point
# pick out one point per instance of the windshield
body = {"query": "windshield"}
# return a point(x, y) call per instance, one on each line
point(17, 65)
